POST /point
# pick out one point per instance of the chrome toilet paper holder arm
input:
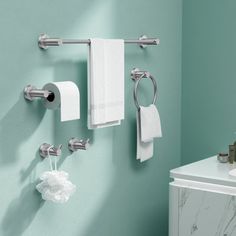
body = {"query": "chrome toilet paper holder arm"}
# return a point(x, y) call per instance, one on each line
point(46, 149)
point(75, 144)
point(31, 92)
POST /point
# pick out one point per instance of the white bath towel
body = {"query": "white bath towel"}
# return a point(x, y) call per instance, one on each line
point(150, 123)
point(105, 83)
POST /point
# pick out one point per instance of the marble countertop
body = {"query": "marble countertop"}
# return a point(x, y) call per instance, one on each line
point(208, 170)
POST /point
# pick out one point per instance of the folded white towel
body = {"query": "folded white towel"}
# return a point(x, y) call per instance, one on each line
point(148, 128)
point(150, 123)
point(144, 149)
point(105, 83)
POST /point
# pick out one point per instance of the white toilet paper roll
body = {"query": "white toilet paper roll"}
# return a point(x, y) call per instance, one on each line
point(67, 97)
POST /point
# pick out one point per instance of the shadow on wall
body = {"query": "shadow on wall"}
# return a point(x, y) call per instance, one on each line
point(127, 197)
point(17, 126)
point(27, 27)
point(21, 211)
point(30, 170)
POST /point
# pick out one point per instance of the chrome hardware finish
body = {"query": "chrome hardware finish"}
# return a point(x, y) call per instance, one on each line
point(53, 151)
point(31, 92)
point(148, 41)
point(75, 144)
point(45, 41)
point(137, 75)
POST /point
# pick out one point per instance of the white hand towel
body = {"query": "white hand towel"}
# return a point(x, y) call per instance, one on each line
point(144, 149)
point(150, 123)
point(105, 83)
point(148, 128)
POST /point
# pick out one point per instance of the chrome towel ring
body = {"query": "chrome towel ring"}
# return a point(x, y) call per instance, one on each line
point(137, 75)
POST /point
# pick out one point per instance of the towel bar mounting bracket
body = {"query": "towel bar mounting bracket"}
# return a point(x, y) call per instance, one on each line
point(137, 74)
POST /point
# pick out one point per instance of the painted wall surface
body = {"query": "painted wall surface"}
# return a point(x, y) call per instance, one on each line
point(116, 195)
point(208, 100)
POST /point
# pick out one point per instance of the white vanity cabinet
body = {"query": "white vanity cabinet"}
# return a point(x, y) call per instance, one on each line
point(202, 200)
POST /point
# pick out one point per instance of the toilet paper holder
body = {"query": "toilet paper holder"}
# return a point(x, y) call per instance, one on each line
point(31, 92)
point(75, 144)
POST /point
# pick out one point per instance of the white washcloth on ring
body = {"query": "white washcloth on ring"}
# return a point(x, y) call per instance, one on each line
point(150, 123)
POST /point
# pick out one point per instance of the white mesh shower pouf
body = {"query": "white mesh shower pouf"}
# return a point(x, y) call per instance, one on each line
point(54, 185)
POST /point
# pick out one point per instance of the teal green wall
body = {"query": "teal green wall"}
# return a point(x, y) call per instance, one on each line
point(209, 78)
point(116, 194)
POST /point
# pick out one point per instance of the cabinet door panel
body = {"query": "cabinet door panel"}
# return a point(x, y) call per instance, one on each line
point(203, 213)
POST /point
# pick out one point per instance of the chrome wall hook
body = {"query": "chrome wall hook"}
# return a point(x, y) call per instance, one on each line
point(31, 92)
point(46, 148)
point(75, 144)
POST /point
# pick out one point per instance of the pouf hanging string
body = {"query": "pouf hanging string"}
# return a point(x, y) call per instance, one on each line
point(49, 157)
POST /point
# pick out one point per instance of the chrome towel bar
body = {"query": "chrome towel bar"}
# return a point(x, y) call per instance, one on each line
point(45, 41)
